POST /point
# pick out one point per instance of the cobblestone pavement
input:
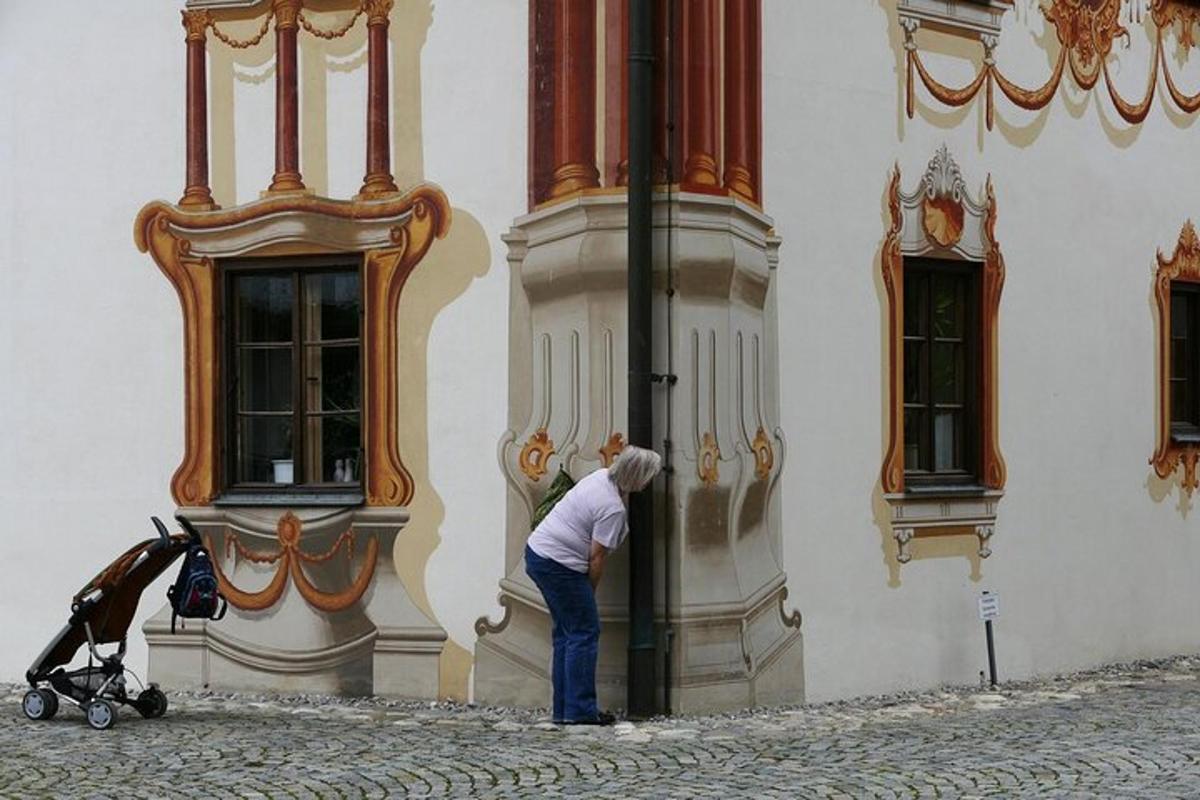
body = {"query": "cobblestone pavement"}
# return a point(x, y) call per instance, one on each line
point(1127, 731)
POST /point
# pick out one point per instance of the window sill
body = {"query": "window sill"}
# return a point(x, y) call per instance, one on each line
point(292, 499)
point(946, 490)
point(943, 510)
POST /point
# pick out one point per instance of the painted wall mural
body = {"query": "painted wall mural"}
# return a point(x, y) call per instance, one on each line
point(314, 570)
point(1087, 31)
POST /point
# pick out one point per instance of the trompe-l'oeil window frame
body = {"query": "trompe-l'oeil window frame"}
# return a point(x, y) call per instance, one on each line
point(941, 220)
point(1170, 451)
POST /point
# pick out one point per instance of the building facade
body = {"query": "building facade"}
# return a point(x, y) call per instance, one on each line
point(925, 325)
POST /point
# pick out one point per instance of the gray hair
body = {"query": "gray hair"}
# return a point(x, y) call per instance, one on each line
point(634, 468)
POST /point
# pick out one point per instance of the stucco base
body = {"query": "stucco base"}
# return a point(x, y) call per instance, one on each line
point(381, 644)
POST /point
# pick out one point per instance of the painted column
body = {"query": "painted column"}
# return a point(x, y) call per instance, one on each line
point(378, 180)
point(666, 92)
point(743, 97)
point(701, 93)
point(574, 99)
point(287, 139)
point(616, 79)
point(196, 193)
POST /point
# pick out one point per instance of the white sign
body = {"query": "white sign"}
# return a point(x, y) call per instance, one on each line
point(989, 606)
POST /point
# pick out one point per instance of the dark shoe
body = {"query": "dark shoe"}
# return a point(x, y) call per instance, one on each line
point(604, 718)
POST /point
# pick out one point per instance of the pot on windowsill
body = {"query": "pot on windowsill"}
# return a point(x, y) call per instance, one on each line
point(283, 470)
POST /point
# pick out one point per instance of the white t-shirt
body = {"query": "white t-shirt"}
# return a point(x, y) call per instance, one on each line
point(591, 510)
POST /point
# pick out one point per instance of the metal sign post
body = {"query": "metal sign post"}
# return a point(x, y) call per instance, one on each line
point(989, 609)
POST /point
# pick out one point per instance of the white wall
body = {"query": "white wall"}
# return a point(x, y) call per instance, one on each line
point(1089, 567)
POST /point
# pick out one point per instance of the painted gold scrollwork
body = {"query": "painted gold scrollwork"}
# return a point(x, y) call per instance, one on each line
point(535, 454)
point(611, 448)
point(764, 454)
point(1087, 29)
point(995, 472)
point(1167, 13)
point(290, 558)
point(709, 460)
point(892, 271)
point(1183, 265)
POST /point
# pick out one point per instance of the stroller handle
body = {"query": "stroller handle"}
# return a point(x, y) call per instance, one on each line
point(188, 527)
point(164, 536)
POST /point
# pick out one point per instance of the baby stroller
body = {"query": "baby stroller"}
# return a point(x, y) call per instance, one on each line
point(100, 614)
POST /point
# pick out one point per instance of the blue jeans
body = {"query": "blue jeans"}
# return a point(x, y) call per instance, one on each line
point(576, 636)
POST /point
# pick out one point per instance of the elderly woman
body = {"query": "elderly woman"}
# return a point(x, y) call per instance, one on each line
point(565, 558)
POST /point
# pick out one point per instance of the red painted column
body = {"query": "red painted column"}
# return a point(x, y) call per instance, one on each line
point(541, 98)
point(574, 81)
point(743, 97)
point(378, 180)
point(287, 106)
point(701, 94)
point(665, 166)
point(196, 193)
point(616, 97)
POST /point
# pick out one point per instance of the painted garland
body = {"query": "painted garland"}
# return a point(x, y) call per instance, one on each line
point(1086, 32)
point(289, 556)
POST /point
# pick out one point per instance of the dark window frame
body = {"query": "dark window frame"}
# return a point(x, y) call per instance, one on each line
point(297, 267)
point(973, 376)
point(1189, 428)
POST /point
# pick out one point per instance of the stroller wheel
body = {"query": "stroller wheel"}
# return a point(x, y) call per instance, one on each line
point(40, 704)
point(100, 714)
point(151, 703)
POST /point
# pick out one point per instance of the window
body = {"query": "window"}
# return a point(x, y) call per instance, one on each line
point(1177, 298)
point(941, 343)
point(294, 385)
point(1185, 361)
point(943, 273)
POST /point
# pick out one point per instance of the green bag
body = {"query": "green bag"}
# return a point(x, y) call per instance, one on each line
point(559, 487)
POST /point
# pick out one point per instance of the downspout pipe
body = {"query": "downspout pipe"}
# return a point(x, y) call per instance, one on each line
point(641, 684)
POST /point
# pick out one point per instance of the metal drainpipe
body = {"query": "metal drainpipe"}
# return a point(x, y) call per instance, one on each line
point(668, 436)
point(642, 691)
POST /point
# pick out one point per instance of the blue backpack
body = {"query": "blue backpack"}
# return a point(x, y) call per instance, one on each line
point(195, 594)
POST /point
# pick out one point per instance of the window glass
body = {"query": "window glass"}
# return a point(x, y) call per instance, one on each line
point(296, 360)
point(265, 304)
point(940, 309)
point(1183, 357)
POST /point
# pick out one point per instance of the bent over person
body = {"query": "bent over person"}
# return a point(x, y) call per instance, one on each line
point(565, 557)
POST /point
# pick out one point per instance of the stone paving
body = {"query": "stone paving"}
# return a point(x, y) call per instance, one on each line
point(1127, 731)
